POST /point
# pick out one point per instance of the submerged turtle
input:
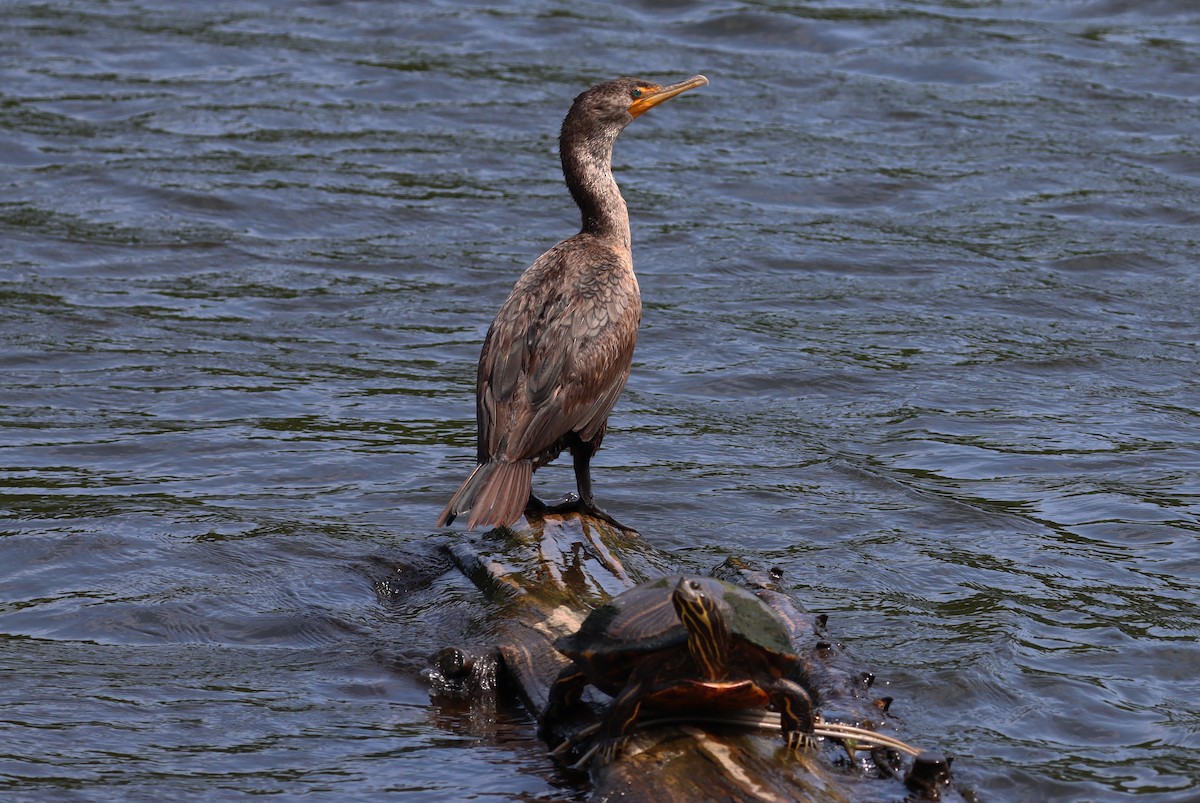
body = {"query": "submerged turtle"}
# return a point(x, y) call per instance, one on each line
point(683, 644)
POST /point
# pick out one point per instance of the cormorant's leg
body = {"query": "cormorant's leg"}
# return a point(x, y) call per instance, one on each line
point(581, 456)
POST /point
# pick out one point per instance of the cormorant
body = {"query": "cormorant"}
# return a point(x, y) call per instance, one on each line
point(558, 353)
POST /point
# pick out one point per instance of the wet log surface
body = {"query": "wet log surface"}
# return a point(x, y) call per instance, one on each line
point(541, 581)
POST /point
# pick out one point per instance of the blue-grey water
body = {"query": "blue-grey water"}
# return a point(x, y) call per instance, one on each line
point(921, 328)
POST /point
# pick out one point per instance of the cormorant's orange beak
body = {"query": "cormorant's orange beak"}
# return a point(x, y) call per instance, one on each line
point(654, 95)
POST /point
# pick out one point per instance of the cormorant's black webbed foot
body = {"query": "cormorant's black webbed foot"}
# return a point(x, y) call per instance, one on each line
point(571, 503)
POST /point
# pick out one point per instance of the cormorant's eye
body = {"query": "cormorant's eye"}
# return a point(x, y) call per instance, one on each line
point(636, 93)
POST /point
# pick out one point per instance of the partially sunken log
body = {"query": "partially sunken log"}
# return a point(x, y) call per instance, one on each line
point(544, 579)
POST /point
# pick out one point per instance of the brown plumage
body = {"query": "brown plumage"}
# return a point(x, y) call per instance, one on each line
point(557, 355)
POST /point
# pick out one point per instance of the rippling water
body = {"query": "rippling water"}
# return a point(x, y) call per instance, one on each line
point(920, 328)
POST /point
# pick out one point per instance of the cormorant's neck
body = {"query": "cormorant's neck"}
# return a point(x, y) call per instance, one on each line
point(587, 167)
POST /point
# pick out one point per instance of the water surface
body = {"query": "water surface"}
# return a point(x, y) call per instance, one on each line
point(920, 329)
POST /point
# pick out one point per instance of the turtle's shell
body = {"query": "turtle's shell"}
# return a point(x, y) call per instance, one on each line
point(642, 621)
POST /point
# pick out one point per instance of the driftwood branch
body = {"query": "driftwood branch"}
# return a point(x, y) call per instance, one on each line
point(542, 580)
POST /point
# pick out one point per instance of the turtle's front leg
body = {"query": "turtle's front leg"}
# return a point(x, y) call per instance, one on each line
point(796, 716)
point(619, 719)
point(564, 692)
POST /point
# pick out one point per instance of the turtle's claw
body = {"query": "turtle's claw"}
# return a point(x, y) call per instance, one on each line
point(586, 758)
point(800, 742)
point(611, 749)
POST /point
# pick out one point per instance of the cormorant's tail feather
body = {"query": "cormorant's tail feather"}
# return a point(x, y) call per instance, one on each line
point(495, 494)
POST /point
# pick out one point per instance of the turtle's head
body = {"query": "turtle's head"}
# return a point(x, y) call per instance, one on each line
point(699, 602)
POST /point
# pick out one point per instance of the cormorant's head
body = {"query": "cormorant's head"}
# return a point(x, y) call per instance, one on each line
point(619, 101)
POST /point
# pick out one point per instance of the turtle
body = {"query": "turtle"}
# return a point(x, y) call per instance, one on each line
point(682, 644)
